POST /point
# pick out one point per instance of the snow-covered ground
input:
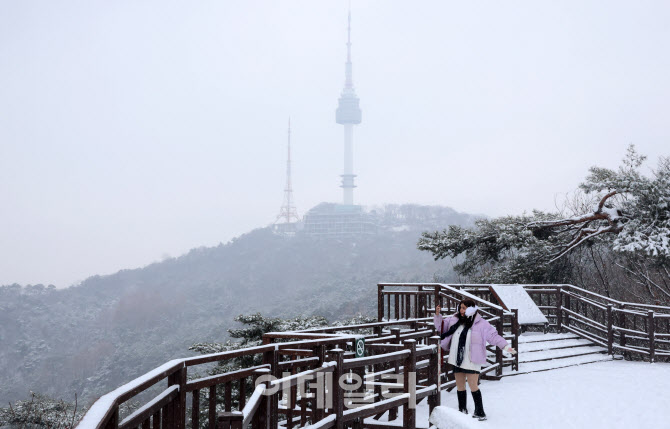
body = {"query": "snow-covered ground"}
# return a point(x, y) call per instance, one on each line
point(612, 394)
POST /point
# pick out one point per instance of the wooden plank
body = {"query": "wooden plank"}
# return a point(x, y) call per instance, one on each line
point(371, 360)
point(214, 357)
point(160, 401)
point(312, 362)
point(380, 407)
point(213, 380)
point(297, 352)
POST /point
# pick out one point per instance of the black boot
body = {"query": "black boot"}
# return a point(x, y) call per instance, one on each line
point(462, 401)
point(479, 407)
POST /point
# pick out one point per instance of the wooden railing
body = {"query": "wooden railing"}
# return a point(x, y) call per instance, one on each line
point(631, 329)
point(398, 301)
point(259, 396)
point(402, 345)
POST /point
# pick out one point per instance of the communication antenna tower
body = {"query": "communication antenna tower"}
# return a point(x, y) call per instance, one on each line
point(288, 215)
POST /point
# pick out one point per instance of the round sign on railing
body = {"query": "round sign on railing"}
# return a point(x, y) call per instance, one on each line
point(360, 347)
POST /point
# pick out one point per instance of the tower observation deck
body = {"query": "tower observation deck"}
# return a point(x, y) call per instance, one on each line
point(348, 113)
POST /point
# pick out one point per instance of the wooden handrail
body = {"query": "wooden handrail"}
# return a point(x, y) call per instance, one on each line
point(627, 320)
point(213, 380)
point(150, 408)
point(606, 310)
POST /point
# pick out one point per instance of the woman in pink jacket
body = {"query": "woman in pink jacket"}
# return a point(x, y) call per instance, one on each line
point(467, 353)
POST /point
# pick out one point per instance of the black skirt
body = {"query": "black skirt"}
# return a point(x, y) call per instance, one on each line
point(464, 371)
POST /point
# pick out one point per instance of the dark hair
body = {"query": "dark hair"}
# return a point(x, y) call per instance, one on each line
point(468, 302)
point(463, 319)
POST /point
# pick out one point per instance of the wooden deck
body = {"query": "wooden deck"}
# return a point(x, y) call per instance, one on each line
point(314, 378)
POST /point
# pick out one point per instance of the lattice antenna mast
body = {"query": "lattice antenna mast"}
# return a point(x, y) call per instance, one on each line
point(288, 212)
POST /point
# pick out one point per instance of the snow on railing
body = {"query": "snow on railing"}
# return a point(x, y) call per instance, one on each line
point(168, 408)
point(605, 321)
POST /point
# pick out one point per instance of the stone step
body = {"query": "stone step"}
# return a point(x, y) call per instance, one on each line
point(559, 354)
point(534, 337)
point(538, 346)
point(547, 365)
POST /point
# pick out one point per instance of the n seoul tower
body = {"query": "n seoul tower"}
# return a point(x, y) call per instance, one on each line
point(348, 113)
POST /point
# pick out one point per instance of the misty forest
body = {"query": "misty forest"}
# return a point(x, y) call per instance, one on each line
point(610, 236)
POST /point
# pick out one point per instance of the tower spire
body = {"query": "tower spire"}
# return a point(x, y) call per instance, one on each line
point(288, 215)
point(348, 113)
point(348, 80)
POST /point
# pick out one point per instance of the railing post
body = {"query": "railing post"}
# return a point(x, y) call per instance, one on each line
point(195, 409)
point(272, 358)
point(622, 323)
point(359, 394)
point(338, 393)
point(566, 322)
point(179, 406)
point(262, 417)
point(393, 412)
point(229, 419)
point(113, 421)
point(408, 306)
point(436, 299)
point(652, 336)
point(318, 404)
point(397, 306)
point(499, 355)
point(434, 373)
point(610, 330)
point(421, 304)
point(380, 303)
point(396, 333)
point(559, 310)
point(515, 339)
point(409, 384)
point(211, 410)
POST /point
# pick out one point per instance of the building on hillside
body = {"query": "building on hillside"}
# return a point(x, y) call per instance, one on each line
point(338, 220)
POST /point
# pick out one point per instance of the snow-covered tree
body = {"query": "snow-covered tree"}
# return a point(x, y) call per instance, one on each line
point(618, 224)
point(501, 250)
point(40, 412)
point(632, 207)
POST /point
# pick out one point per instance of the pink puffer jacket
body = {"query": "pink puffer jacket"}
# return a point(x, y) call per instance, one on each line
point(482, 332)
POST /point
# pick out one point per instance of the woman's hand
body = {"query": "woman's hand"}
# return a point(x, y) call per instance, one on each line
point(437, 310)
point(508, 349)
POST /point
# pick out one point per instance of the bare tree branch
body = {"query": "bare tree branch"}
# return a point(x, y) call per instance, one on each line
point(648, 281)
point(585, 234)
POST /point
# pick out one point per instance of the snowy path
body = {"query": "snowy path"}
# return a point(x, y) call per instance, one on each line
point(612, 394)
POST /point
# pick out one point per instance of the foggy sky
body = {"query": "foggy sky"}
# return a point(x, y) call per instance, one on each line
point(134, 130)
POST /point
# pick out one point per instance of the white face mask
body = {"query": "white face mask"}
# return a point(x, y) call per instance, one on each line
point(470, 311)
